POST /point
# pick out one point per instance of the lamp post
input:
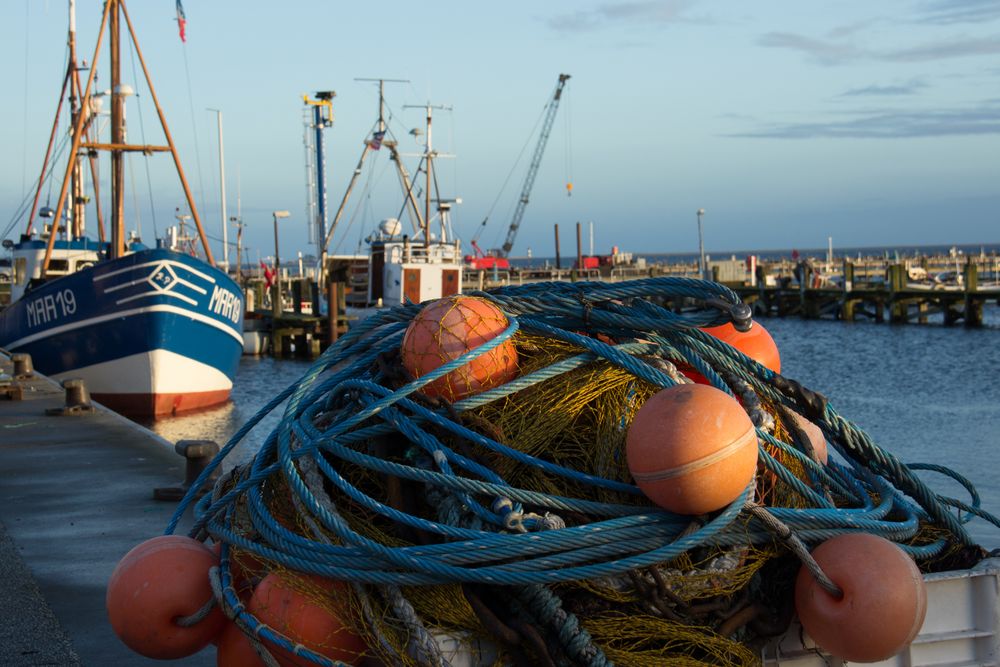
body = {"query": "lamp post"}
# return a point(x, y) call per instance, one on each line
point(276, 287)
point(701, 247)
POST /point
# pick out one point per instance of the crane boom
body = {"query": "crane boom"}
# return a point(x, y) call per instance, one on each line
point(536, 161)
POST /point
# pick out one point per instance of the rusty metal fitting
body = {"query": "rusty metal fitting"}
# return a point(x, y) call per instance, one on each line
point(9, 389)
point(77, 399)
point(197, 454)
point(23, 368)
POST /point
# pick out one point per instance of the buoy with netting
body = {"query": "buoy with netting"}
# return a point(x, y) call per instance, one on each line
point(446, 329)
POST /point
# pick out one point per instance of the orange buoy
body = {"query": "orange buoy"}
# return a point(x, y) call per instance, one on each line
point(153, 584)
point(246, 569)
point(884, 599)
point(755, 343)
point(691, 449)
point(448, 328)
point(815, 436)
point(314, 622)
point(235, 649)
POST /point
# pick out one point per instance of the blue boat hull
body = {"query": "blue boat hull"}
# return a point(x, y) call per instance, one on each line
point(152, 333)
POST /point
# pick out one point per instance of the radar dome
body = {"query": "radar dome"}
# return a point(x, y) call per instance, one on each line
point(391, 227)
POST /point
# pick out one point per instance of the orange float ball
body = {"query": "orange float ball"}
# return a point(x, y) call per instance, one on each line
point(306, 619)
point(755, 343)
point(815, 436)
point(156, 582)
point(691, 449)
point(235, 649)
point(448, 328)
point(884, 599)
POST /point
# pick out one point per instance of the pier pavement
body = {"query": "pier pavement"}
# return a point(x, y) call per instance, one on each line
point(76, 493)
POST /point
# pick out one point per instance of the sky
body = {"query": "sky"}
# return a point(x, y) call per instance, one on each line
point(787, 122)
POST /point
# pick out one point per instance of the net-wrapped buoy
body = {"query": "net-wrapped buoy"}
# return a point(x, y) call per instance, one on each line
point(313, 620)
point(155, 583)
point(756, 343)
point(692, 449)
point(448, 328)
point(884, 599)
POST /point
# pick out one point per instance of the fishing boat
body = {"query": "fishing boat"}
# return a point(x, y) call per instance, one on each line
point(151, 330)
point(415, 266)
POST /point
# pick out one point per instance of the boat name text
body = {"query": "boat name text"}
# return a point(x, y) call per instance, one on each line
point(50, 307)
point(225, 303)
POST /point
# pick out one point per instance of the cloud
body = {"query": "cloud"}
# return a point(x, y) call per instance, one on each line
point(885, 91)
point(828, 52)
point(955, 48)
point(643, 13)
point(978, 119)
point(948, 12)
point(837, 52)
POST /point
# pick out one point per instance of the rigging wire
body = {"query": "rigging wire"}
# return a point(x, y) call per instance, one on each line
point(24, 136)
point(568, 138)
point(513, 168)
point(142, 135)
point(194, 131)
point(22, 208)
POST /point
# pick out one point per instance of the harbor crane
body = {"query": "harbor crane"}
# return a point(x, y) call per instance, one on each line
point(499, 257)
point(536, 161)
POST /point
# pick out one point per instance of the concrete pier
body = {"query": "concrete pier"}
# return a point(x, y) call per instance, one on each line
point(76, 493)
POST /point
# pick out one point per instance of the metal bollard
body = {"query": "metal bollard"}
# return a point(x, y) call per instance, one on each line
point(197, 454)
point(10, 389)
point(23, 368)
point(77, 400)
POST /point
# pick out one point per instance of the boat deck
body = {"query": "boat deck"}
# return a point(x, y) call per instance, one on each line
point(76, 493)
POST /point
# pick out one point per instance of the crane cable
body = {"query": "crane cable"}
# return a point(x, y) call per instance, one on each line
point(517, 162)
point(568, 131)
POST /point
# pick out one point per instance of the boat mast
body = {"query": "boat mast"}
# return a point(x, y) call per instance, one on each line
point(114, 10)
point(77, 203)
point(391, 145)
point(117, 139)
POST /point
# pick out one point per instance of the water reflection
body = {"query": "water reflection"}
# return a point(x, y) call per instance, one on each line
point(257, 382)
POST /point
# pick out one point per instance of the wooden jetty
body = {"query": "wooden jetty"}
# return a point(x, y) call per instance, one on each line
point(895, 299)
point(875, 288)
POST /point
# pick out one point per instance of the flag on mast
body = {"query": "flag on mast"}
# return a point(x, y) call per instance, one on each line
point(181, 20)
point(376, 142)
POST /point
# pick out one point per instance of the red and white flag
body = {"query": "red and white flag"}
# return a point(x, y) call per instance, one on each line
point(181, 20)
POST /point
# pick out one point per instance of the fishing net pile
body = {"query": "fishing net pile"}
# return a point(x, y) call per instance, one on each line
point(481, 506)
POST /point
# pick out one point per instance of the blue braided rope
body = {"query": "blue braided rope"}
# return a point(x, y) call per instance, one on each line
point(490, 532)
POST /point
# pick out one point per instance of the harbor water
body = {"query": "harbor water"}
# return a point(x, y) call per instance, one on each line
point(928, 394)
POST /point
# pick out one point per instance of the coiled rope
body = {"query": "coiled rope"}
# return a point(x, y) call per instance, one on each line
point(490, 531)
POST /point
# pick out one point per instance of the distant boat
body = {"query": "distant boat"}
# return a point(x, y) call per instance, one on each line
point(403, 267)
point(152, 331)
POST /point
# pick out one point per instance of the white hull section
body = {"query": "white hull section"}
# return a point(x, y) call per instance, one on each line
point(154, 372)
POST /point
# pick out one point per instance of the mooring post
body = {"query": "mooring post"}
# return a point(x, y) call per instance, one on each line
point(297, 297)
point(846, 302)
point(332, 313)
point(973, 305)
point(898, 307)
point(197, 455)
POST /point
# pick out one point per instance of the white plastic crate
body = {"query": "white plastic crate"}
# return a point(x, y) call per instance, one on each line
point(962, 627)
